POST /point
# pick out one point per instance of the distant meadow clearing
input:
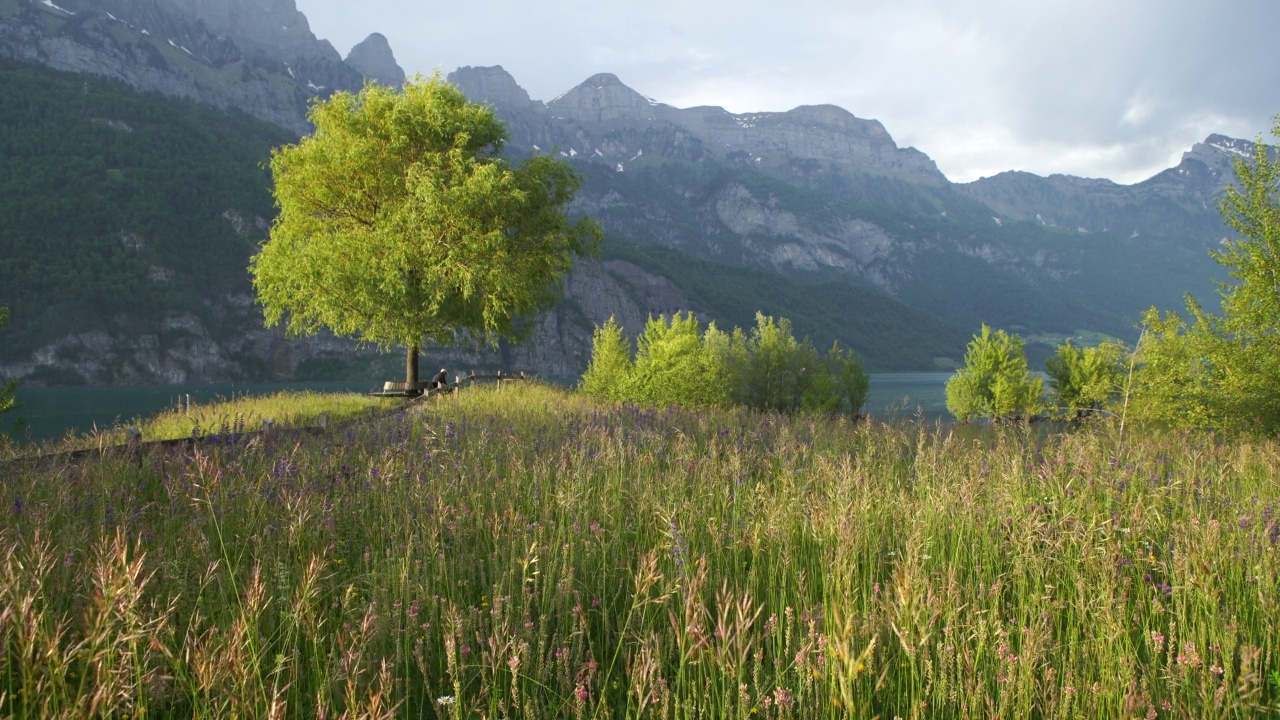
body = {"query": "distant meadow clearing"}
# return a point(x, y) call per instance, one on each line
point(528, 553)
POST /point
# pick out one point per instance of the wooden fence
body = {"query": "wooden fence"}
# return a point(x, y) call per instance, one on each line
point(423, 390)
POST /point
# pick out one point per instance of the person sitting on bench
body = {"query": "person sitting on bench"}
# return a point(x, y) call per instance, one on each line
point(439, 380)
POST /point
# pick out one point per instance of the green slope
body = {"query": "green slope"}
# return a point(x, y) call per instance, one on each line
point(120, 206)
point(886, 333)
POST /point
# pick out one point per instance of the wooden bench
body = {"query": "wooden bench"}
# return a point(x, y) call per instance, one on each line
point(400, 389)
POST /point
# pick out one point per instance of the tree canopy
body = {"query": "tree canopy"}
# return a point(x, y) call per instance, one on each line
point(677, 361)
point(1085, 380)
point(1223, 371)
point(995, 382)
point(400, 221)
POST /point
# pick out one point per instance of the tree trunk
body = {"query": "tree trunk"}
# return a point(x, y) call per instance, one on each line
point(411, 367)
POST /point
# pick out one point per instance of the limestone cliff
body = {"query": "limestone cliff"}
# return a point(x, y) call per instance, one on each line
point(256, 55)
point(373, 58)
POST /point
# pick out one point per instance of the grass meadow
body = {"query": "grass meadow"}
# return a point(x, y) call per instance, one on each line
point(528, 553)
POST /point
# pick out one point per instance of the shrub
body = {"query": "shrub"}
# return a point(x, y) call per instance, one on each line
point(610, 370)
point(1085, 380)
point(995, 382)
point(677, 362)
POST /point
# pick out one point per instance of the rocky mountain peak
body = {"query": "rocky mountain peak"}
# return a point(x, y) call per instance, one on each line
point(274, 28)
point(601, 98)
point(257, 55)
point(373, 58)
point(492, 85)
point(1218, 151)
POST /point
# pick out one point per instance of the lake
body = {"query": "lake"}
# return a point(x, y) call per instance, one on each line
point(52, 412)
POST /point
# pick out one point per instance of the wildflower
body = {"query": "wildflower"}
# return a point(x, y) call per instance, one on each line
point(445, 700)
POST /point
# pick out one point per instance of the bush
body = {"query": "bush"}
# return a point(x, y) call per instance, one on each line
point(678, 362)
point(1085, 380)
point(995, 382)
point(609, 373)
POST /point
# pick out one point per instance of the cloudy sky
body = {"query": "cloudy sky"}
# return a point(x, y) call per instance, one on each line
point(1098, 88)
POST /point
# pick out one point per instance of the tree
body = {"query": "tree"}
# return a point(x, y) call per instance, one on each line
point(609, 373)
point(772, 379)
point(1085, 380)
point(852, 380)
point(7, 401)
point(995, 382)
point(400, 222)
point(673, 365)
point(1223, 371)
point(677, 362)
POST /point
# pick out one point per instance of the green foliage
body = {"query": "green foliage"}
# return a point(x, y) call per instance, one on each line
point(609, 373)
point(7, 402)
point(674, 366)
point(995, 382)
point(1223, 371)
point(1174, 381)
point(400, 222)
point(678, 362)
point(772, 379)
point(1085, 380)
point(121, 207)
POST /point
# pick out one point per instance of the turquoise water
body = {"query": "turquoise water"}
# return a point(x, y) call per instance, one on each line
point(908, 395)
point(52, 412)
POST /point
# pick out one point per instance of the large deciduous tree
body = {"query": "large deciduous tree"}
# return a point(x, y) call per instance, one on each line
point(400, 222)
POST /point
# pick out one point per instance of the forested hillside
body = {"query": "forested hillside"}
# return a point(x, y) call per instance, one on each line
point(130, 218)
point(120, 207)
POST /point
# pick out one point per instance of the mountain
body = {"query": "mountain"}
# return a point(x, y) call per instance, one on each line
point(818, 194)
point(130, 218)
point(135, 195)
point(255, 55)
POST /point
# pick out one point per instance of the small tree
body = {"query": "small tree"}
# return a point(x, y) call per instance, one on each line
point(1223, 370)
point(1175, 382)
point(995, 382)
point(852, 380)
point(672, 365)
point(400, 222)
point(676, 362)
point(7, 402)
point(609, 373)
point(772, 377)
point(1085, 380)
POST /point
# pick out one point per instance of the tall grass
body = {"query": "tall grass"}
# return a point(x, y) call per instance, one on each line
point(524, 552)
point(285, 409)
